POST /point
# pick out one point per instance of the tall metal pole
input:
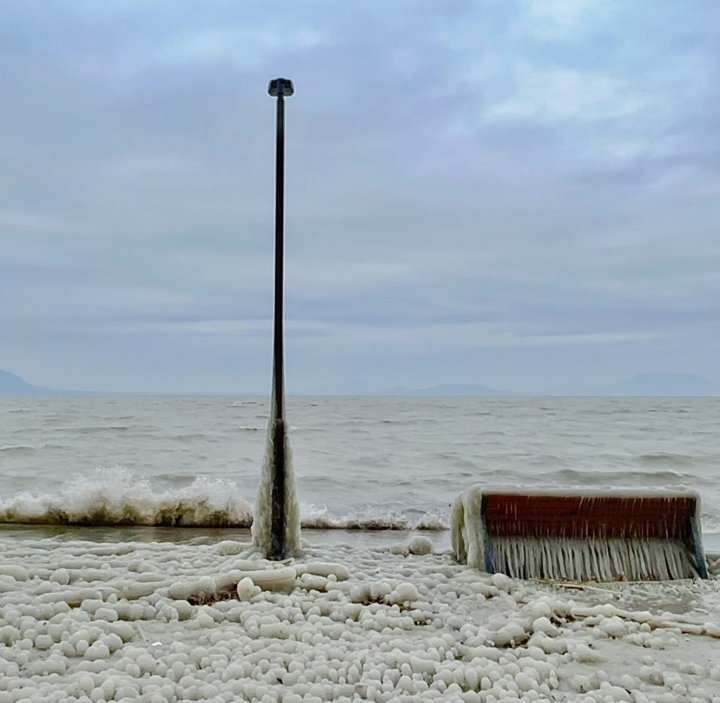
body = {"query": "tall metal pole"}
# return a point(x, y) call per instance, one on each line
point(279, 87)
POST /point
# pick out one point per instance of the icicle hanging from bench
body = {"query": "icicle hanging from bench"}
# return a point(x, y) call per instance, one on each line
point(603, 559)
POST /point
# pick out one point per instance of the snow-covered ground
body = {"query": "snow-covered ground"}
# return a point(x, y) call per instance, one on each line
point(199, 621)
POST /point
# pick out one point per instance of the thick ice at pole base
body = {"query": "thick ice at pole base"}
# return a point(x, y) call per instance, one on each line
point(262, 520)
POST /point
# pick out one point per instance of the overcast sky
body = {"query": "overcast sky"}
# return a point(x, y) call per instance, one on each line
point(518, 194)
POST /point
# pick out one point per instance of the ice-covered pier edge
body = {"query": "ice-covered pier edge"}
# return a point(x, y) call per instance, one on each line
point(593, 535)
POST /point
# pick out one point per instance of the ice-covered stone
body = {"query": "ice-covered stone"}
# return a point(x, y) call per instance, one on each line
point(403, 593)
point(393, 629)
point(420, 546)
point(282, 579)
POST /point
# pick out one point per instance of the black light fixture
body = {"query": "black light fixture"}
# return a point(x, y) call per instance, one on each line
point(281, 87)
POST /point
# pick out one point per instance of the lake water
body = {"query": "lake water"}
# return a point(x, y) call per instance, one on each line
point(366, 462)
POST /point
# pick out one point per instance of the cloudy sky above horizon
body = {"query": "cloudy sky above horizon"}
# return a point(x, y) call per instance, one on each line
point(520, 194)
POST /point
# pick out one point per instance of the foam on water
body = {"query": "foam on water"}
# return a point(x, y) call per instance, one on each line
point(369, 520)
point(117, 497)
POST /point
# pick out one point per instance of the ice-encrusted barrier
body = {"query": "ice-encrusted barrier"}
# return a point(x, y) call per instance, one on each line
point(569, 546)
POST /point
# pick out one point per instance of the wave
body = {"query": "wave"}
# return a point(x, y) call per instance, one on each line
point(16, 449)
point(710, 524)
point(92, 429)
point(117, 498)
point(670, 458)
point(624, 477)
point(322, 519)
point(190, 437)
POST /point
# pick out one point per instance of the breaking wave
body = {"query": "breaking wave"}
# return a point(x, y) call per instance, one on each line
point(711, 522)
point(322, 519)
point(117, 498)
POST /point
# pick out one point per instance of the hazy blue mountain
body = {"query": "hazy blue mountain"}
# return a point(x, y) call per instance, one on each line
point(663, 384)
point(641, 384)
point(447, 389)
point(12, 384)
point(343, 387)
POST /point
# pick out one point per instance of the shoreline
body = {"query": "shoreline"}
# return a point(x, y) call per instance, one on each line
point(439, 538)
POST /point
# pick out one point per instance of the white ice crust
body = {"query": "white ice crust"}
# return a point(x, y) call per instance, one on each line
point(153, 622)
point(467, 541)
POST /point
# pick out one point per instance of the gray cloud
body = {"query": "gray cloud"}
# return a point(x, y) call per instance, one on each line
point(516, 194)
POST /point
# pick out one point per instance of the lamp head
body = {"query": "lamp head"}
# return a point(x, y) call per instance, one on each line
point(281, 87)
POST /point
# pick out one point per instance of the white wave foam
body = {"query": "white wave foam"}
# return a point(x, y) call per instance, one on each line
point(321, 518)
point(117, 497)
point(710, 524)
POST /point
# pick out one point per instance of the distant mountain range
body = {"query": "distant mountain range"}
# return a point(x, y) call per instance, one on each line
point(447, 389)
point(652, 384)
point(645, 384)
point(11, 384)
point(662, 384)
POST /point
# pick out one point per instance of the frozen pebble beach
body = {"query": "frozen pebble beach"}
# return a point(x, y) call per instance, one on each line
point(202, 621)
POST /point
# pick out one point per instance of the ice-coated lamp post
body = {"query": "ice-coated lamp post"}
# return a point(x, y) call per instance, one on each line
point(279, 88)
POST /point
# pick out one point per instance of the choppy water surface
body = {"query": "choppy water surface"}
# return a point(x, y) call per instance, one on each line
point(364, 461)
